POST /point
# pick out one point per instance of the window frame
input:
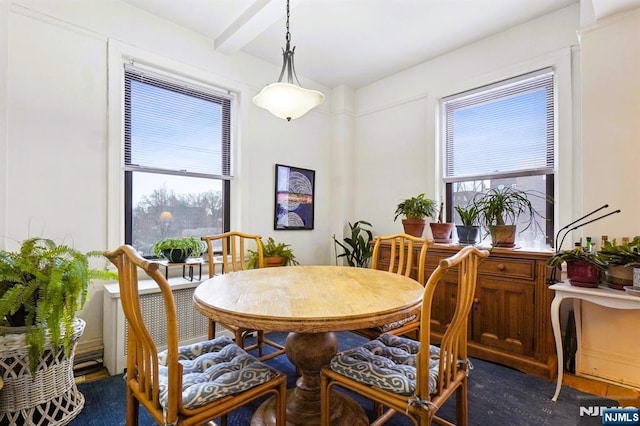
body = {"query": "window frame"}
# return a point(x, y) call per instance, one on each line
point(133, 73)
point(552, 160)
point(120, 54)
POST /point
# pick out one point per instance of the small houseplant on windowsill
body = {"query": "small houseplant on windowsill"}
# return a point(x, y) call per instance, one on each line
point(415, 210)
point(441, 231)
point(583, 269)
point(469, 231)
point(275, 254)
point(501, 207)
point(356, 248)
point(177, 250)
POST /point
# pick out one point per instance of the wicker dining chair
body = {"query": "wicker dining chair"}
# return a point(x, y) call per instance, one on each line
point(402, 261)
point(412, 377)
point(186, 385)
point(234, 249)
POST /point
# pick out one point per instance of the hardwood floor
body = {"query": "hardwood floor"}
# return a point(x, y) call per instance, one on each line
point(90, 374)
point(626, 397)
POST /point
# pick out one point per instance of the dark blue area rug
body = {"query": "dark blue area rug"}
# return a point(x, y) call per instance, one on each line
point(498, 395)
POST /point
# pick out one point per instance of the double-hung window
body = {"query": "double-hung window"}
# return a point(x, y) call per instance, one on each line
point(177, 159)
point(502, 135)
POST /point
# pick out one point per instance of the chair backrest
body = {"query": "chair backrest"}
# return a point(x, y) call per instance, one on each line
point(142, 353)
point(453, 346)
point(401, 254)
point(235, 246)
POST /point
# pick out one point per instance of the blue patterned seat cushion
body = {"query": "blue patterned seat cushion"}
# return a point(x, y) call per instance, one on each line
point(212, 369)
point(388, 362)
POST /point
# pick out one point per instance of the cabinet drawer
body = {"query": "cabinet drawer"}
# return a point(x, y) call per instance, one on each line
point(517, 268)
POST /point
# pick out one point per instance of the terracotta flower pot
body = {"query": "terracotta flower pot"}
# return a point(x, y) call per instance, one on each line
point(441, 232)
point(414, 227)
point(270, 262)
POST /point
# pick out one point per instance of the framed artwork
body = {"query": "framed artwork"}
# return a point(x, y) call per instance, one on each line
point(294, 198)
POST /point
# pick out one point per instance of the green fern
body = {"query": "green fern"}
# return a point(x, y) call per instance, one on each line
point(50, 283)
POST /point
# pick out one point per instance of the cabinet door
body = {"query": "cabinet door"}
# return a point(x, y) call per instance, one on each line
point(503, 314)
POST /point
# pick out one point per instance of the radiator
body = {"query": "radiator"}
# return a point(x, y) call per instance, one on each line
point(192, 326)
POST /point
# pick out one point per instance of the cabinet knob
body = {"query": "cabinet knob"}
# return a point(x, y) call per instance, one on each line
point(501, 267)
point(476, 300)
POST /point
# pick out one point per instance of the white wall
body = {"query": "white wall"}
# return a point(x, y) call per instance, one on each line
point(397, 128)
point(610, 158)
point(57, 175)
point(4, 63)
point(611, 122)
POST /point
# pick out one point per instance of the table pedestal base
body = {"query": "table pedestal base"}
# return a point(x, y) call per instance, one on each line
point(309, 352)
point(344, 411)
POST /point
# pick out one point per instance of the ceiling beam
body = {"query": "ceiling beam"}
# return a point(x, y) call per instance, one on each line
point(253, 21)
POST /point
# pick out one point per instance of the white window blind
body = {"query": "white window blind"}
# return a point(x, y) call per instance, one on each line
point(177, 157)
point(502, 130)
point(175, 127)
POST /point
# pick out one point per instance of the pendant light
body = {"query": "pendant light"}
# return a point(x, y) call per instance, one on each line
point(288, 99)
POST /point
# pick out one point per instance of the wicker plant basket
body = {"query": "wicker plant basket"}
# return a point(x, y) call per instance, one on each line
point(48, 398)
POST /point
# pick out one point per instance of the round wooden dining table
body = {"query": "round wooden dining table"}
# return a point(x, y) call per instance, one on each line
point(311, 303)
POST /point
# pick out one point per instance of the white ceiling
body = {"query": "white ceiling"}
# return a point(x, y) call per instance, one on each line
point(352, 42)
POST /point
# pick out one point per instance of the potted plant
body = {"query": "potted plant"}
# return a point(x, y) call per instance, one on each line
point(356, 248)
point(583, 269)
point(176, 250)
point(501, 207)
point(469, 231)
point(275, 254)
point(42, 287)
point(441, 231)
point(620, 259)
point(415, 210)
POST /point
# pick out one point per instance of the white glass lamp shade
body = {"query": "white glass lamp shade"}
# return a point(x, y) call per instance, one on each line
point(288, 101)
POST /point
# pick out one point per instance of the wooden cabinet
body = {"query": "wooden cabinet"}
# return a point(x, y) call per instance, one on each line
point(510, 321)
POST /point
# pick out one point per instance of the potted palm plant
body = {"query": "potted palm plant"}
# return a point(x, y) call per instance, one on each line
point(469, 231)
point(415, 210)
point(275, 254)
point(356, 248)
point(584, 269)
point(501, 207)
point(177, 250)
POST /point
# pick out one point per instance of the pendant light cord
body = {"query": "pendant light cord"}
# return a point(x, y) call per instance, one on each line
point(288, 35)
point(287, 57)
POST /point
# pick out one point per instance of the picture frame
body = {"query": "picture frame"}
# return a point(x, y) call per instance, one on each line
point(294, 198)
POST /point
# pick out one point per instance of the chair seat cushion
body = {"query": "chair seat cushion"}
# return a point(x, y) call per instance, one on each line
point(388, 362)
point(212, 369)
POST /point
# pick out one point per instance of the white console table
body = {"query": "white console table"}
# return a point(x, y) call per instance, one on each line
point(602, 296)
